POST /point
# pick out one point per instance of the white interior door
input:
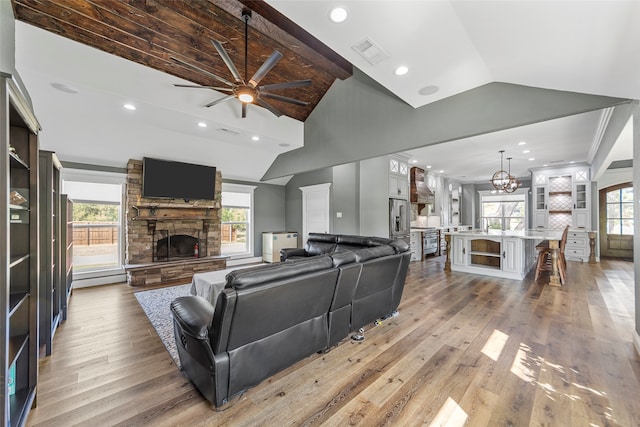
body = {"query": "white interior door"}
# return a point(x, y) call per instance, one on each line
point(315, 209)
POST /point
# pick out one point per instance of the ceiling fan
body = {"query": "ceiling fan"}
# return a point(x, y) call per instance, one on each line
point(247, 91)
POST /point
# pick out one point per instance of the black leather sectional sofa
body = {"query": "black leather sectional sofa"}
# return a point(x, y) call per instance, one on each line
point(271, 316)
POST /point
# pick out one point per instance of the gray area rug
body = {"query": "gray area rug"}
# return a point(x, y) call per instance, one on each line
point(155, 304)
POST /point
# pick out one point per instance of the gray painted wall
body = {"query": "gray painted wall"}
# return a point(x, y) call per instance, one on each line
point(269, 210)
point(358, 190)
point(7, 38)
point(374, 197)
point(636, 215)
point(358, 119)
point(345, 199)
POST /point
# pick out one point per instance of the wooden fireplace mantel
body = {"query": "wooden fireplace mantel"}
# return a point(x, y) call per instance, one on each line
point(160, 212)
point(154, 213)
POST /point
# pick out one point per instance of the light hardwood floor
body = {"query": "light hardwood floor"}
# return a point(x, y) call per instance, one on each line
point(464, 349)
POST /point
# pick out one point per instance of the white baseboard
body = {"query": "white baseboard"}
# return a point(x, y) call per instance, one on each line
point(636, 342)
point(98, 281)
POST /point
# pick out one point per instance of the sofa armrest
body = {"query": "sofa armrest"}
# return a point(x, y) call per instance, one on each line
point(286, 253)
point(194, 315)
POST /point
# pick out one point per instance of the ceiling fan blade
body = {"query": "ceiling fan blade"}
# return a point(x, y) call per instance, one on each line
point(220, 100)
point(225, 57)
point(228, 89)
point(265, 68)
point(244, 110)
point(286, 85)
point(283, 99)
point(213, 76)
point(268, 106)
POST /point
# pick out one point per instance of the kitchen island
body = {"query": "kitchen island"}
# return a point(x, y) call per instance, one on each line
point(505, 254)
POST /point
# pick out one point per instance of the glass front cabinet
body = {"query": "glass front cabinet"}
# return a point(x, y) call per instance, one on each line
point(561, 197)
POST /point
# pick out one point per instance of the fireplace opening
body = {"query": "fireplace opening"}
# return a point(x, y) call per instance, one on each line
point(178, 246)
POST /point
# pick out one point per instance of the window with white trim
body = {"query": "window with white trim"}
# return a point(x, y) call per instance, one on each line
point(98, 223)
point(236, 220)
point(503, 211)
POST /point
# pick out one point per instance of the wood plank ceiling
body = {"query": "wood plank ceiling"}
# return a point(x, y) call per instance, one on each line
point(150, 32)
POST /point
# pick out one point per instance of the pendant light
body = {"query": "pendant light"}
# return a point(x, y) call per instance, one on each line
point(514, 183)
point(500, 179)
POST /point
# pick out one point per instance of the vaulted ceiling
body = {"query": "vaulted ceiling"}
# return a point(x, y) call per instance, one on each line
point(453, 45)
point(170, 35)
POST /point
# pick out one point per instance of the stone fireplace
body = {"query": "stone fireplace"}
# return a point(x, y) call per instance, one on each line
point(162, 235)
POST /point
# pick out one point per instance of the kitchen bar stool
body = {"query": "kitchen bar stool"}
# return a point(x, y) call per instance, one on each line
point(544, 257)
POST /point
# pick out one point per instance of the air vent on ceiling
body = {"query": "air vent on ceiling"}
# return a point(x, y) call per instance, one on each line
point(370, 51)
point(228, 131)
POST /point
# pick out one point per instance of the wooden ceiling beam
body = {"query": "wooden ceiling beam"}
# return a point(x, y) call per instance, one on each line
point(151, 32)
point(278, 27)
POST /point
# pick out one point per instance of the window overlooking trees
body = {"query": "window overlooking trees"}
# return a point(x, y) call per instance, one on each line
point(503, 212)
point(236, 218)
point(97, 229)
point(620, 211)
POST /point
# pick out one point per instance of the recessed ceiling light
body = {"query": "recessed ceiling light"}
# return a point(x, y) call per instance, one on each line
point(428, 166)
point(338, 15)
point(401, 70)
point(572, 162)
point(545, 165)
point(414, 161)
point(129, 107)
point(202, 124)
point(428, 90)
point(522, 143)
point(531, 159)
point(64, 88)
point(255, 138)
point(525, 151)
point(441, 171)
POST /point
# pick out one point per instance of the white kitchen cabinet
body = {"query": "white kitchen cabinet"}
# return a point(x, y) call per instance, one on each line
point(415, 244)
point(511, 255)
point(508, 256)
point(398, 178)
point(459, 250)
point(561, 196)
point(577, 246)
point(540, 212)
point(581, 209)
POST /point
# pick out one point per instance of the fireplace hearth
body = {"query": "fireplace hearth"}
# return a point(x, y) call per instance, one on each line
point(162, 235)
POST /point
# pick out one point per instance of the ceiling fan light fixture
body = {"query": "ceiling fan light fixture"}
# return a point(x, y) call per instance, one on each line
point(245, 97)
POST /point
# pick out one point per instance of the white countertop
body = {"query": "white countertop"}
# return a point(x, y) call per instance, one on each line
point(523, 234)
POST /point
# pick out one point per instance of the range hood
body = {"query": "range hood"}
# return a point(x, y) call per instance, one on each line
point(419, 191)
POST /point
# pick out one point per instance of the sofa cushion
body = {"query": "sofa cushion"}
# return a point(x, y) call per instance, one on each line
point(379, 241)
point(399, 245)
point(361, 241)
point(242, 279)
point(323, 237)
point(319, 248)
point(343, 258)
point(365, 254)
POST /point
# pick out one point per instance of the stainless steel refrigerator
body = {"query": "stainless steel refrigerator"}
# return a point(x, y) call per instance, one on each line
point(399, 219)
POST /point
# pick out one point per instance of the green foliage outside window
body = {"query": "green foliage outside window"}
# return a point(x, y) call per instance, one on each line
point(234, 214)
point(95, 212)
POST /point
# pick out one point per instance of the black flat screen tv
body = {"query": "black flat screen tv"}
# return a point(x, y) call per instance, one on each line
point(176, 180)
